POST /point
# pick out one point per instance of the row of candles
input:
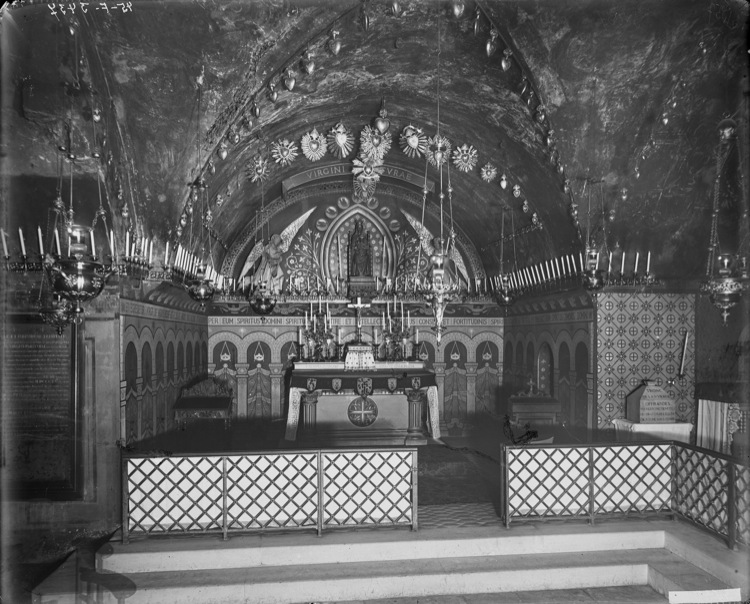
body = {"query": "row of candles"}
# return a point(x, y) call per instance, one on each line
point(561, 268)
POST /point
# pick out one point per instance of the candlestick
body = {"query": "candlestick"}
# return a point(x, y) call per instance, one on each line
point(23, 244)
point(684, 351)
point(5, 244)
point(41, 244)
point(57, 242)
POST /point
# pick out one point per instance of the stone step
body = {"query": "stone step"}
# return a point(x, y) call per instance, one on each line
point(378, 579)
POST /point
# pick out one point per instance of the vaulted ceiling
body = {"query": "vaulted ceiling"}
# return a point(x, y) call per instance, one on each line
point(621, 98)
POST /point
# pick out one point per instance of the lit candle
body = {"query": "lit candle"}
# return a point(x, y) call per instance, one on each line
point(684, 351)
point(635, 268)
point(5, 244)
point(622, 264)
point(648, 263)
point(23, 244)
point(57, 241)
point(93, 244)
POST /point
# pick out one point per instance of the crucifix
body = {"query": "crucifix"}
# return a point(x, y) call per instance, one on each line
point(358, 309)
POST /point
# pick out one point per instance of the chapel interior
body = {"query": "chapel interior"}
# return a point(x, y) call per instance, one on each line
point(478, 228)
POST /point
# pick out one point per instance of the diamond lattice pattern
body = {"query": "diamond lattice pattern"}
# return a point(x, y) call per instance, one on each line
point(174, 494)
point(548, 482)
point(272, 491)
point(742, 497)
point(367, 487)
point(701, 493)
point(632, 479)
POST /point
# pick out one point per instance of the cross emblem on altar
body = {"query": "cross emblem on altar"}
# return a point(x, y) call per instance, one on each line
point(358, 309)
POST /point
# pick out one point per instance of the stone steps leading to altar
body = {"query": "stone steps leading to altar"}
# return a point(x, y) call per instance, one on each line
point(363, 565)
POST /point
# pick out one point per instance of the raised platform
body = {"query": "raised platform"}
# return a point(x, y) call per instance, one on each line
point(437, 560)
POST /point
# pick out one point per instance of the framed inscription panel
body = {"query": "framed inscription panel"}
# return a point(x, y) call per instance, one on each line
point(41, 410)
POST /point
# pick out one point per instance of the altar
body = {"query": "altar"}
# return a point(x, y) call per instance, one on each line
point(382, 406)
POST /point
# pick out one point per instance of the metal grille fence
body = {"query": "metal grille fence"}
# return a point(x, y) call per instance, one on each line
point(560, 482)
point(260, 491)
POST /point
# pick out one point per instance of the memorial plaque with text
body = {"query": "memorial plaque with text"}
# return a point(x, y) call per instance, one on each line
point(649, 404)
point(39, 427)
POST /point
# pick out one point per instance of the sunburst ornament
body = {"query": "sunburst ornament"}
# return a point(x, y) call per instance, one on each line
point(413, 141)
point(489, 172)
point(465, 158)
point(438, 150)
point(373, 143)
point(340, 141)
point(284, 152)
point(313, 145)
point(259, 169)
point(367, 171)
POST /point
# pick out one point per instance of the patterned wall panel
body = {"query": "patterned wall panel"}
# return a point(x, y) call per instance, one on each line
point(641, 336)
point(149, 392)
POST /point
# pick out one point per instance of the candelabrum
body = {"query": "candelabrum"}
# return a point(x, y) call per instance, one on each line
point(396, 345)
point(316, 341)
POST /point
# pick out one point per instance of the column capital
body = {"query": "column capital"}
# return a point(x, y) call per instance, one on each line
point(242, 368)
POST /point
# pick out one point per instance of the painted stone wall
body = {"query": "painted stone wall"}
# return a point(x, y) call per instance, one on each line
point(641, 336)
point(161, 350)
point(549, 347)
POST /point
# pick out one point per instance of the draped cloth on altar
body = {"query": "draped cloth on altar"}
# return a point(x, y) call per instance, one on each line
point(385, 382)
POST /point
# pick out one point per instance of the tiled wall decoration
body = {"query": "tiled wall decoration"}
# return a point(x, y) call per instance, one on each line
point(642, 336)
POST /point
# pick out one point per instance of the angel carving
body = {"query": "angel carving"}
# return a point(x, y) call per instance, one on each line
point(270, 274)
point(433, 247)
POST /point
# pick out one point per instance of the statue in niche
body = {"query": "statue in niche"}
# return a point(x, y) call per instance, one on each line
point(360, 251)
point(269, 270)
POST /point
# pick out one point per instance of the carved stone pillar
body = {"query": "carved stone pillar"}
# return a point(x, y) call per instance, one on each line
point(415, 399)
point(471, 389)
point(439, 369)
point(276, 376)
point(242, 389)
point(309, 412)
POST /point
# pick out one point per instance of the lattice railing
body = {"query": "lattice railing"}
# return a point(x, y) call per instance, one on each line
point(260, 491)
point(709, 488)
point(702, 488)
point(632, 479)
point(367, 487)
point(548, 482)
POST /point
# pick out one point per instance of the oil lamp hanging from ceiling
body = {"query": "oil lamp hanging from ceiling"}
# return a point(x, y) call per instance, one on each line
point(200, 288)
point(441, 284)
point(727, 274)
point(261, 295)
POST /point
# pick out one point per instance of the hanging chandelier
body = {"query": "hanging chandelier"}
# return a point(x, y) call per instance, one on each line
point(76, 274)
point(504, 292)
point(200, 288)
point(440, 285)
point(727, 274)
point(262, 293)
